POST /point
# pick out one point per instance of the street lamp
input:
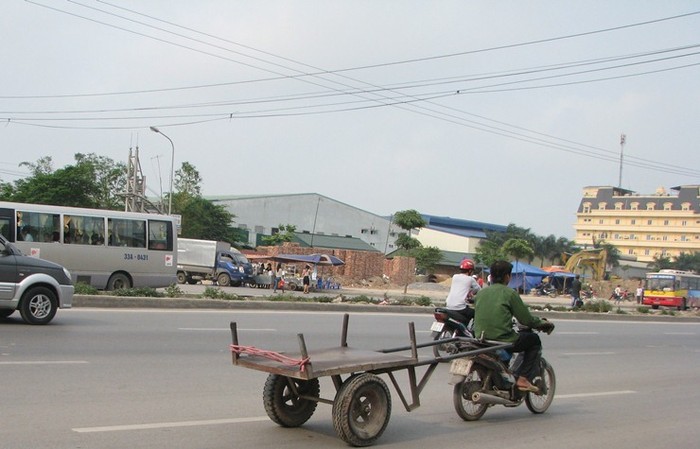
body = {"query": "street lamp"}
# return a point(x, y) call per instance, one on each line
point(172, 168)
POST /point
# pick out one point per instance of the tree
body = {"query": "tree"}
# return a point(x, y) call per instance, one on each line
point(687, 262)
point(518, 248)
point(94, 182)
point(408, 220)
point(285, 233)
point(660, 263)
point(202, 219)
point(427, 257)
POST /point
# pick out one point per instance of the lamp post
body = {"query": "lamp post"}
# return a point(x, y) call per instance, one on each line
point(172, 168)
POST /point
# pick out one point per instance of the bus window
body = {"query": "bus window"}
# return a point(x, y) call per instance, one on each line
point(160, 235)
point(80, 230)
point(126, 232)
point(36, 226)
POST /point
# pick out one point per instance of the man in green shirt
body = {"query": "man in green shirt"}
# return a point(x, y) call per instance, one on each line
point(496, 306)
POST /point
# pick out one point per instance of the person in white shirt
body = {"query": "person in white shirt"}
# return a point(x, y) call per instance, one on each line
point(463, 287)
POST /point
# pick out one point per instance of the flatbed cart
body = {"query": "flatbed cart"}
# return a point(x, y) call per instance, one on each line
point(362, 402)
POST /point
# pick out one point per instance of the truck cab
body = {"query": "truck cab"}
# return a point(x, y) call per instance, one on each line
point(233, 268)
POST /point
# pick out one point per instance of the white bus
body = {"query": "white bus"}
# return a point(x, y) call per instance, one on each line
point(106, 249)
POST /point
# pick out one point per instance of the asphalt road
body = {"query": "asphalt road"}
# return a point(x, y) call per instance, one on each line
point(123, 378)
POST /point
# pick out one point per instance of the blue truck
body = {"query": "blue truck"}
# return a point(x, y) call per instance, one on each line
point(199, 260)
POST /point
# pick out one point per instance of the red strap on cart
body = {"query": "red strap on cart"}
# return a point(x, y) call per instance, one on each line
point(276, 356)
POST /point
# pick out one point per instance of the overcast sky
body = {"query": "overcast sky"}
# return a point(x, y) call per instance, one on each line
point(494, 111)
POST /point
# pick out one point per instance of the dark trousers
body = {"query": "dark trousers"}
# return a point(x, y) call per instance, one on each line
point(530, 345)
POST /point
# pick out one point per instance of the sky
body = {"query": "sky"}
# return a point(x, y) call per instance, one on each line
point(493, 111)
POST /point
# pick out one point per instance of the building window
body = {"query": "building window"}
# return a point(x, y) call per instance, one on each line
point(634, 206)
point(649, 237)
point(668, 206)
point(664, 238)
point(617, 221)
point(651, 206)
point(665, 222)
point(685, 206)
point(586, 208)
point(646, 252)
point(602, 206)
point(649, 222)
point(684, 223)
point(364, 231)
point(630, 251)
point(259, 230)
point(600, 221)
point(618, 206)
point(632, 237)
point(373, 231)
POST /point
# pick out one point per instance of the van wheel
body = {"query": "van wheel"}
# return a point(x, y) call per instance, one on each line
point(117, 281)
point(38, 305)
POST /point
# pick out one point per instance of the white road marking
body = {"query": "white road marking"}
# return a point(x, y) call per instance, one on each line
point(165, 425)
point(219, 329)
point(679, 333)
point(588, 353)
point(589, 395)
point(46, 362)
point(578, 333)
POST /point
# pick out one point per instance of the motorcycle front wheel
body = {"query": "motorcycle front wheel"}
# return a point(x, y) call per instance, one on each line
point(441, 350)
point(462, 394)
point(539, 402)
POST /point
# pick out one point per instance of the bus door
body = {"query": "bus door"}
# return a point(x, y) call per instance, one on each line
point(8, 222)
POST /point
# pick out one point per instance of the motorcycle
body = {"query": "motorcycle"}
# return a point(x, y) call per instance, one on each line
point(448, 324)
point(546, 290)
point(486, 379)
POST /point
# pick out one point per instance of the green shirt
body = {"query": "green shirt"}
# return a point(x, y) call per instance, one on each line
point(495, 308)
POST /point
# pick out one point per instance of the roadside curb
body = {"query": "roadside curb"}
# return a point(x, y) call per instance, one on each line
point(104, 301)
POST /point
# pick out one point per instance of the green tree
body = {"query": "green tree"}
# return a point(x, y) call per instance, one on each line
point(408, 220)
point(488, 252)
point(518, 248)
point(285, 233)
point(660, 263)
point(110, 178)
point(202, 219)
point(427, 257)
point(687, 262)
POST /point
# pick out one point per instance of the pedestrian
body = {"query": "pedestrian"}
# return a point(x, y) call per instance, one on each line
point(576, 292)
point(271, 274)
point(306, 278)
point(617, 294)
point(640, 293)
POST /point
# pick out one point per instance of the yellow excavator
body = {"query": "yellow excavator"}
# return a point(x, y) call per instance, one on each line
point(594, 259)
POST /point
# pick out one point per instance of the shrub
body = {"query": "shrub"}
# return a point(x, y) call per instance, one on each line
point(642, 309)
point(138, 292)
point(217, 293)
point(81, 288)
point(599, 306)
point(173, 291)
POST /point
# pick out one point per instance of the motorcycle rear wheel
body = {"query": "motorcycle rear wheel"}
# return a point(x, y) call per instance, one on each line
point(462, 394)
point(441, 350)
point(539, 402)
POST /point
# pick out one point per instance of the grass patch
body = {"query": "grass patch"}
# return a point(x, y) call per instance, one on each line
point(668, 312)
point(217, 293)
point(599, 306)
point(173, 291)
point(642, 309)
point(81, 288)
point(146, 292)
point(619, 311)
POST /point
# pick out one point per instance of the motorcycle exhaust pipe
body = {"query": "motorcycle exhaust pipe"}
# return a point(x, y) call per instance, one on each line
point(484, 398)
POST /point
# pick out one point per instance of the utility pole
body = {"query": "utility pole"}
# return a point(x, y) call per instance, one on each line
point(622, 148)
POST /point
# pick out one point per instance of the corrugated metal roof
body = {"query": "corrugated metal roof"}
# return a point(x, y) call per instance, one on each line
point(332, 242)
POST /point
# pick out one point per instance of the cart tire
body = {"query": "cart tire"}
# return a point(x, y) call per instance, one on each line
point(361, 409)
point(283, 403)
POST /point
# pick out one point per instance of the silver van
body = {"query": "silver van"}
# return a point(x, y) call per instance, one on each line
point(35, 286)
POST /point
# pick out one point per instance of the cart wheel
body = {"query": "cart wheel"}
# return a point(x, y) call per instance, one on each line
point(361, 409)
point(283, 402)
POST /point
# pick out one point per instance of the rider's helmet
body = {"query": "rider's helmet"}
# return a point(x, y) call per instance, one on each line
point(466, 264)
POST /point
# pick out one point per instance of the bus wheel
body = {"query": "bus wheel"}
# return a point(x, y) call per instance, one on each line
point(38, 305)
point(117, 281)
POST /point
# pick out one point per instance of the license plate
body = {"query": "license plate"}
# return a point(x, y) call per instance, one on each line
point(437, 326)
point(461, 367)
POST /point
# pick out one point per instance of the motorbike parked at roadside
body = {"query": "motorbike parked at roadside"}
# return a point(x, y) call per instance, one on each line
point(546, 290)
point(486, 378)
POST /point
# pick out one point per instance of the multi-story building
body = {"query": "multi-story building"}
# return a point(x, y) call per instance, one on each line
point(641, 226)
